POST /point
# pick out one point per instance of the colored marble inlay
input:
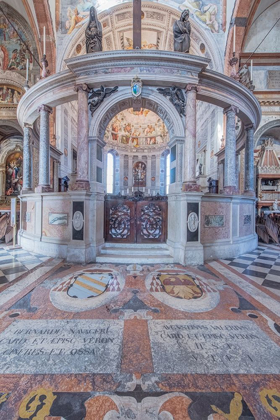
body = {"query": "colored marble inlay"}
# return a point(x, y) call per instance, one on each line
point(214, 221)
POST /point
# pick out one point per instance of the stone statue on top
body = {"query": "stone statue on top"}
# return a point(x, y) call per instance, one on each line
point(93, 33)
point(182, 33)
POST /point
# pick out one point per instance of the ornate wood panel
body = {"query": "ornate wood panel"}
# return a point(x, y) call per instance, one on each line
point(120, 221)
point(131, 220)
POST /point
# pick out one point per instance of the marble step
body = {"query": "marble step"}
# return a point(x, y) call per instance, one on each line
point(134, 259)
point(134, 253)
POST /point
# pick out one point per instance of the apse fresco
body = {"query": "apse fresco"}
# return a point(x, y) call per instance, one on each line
point(9, 95)
point(137, 129)
point(139, 174)
point(14, 174)
point(13, 52)
point(75, 12)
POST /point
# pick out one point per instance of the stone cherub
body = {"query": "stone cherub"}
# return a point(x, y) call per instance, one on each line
point(182, 33)
point(93, 33)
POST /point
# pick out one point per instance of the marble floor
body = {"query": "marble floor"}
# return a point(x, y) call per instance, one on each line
point(17, 262)
point(109, 341)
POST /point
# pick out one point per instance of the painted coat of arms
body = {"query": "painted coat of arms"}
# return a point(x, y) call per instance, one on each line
point(181, 286)
point(88, 285)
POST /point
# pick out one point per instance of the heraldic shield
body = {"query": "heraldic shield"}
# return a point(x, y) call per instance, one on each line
point(181, 286)
point(88, 285)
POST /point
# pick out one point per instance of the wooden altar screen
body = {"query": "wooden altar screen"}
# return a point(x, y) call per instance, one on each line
point(136, 219)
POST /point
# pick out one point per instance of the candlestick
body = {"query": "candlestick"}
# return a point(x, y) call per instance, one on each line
point(234, 38)
point(27, 68)
point(251, 69)
point(44, 41)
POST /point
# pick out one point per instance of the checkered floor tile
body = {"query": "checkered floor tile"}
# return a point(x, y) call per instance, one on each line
point(15, 262)
point(261, 265)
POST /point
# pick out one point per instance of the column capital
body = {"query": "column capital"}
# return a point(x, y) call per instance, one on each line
point(231, 108)
point(82, 87)
point(249, 126)
point(45, 108)
point(193, 87)
point(27, 125)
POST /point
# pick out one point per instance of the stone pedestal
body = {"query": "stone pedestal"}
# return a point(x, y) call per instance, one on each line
point(44, 151)
point(189, 183)
point(249, 162)
point(82, 180)
point(230, 186)
point(184, 228)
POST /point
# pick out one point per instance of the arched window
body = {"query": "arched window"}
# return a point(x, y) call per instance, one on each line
point(110, 173)
point(167, 179)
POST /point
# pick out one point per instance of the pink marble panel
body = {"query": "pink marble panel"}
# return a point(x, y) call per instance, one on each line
point(246, 214)
point(209, 234)
point(57, 231)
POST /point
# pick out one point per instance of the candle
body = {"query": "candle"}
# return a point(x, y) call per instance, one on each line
point(252, 70)
point(234, 37)
point(44, 41)
point(27, 68)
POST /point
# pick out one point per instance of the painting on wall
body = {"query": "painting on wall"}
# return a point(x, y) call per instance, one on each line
point(136, 129)
point(13, 51)
point(149, 40)
point(139, 174)
point(9, 96)
point(206, 13)
point(14, 174)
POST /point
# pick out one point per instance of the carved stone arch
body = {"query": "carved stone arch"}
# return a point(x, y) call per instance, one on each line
point(8, 147)
point(151, 100)
point(261, 131)
point(199, 35)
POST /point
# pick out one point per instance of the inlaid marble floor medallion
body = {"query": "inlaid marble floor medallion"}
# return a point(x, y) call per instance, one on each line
point(140, 342)
point(87, 289)
point(184, 290)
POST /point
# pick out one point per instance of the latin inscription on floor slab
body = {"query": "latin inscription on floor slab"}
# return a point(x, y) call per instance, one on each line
point(61, 346)
point(212, 347)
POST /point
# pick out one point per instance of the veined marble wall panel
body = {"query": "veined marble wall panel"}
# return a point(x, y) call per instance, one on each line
point(211, 209)
point(235, 220)
point(29, 216)
point(62, 206)
point(246, 222)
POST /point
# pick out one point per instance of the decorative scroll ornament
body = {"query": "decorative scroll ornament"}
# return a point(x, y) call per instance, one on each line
point(136, 87)
point(176, 97)
point(119, 221)
point(151, 221)
point(97, 96)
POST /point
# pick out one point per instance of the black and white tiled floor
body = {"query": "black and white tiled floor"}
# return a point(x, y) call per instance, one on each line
point(15, 262)
point(261, 265)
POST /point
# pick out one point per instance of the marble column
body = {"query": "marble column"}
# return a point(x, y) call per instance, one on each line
point(82, 180)
point(56, 176)
point(249, 161)
point(230, 152)
point(237, 171)
point(189, 183)
point(44, 149)
point(27, 164)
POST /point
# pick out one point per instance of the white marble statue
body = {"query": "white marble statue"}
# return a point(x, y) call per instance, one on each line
point(275, 205)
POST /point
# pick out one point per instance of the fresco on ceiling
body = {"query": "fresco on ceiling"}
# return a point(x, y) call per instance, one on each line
point(136, 129)
point(9, 96)
point(13, 52)
point(206, 13)
point(14, 174)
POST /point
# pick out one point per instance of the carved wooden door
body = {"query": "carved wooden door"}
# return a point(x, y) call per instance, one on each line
point(151, 221)
point(128, 221)
point(120, 221)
